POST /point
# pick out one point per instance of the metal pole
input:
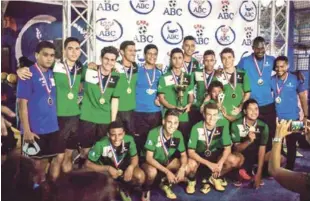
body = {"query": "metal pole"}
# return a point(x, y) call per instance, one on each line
point(273, 27)
point(287, 28)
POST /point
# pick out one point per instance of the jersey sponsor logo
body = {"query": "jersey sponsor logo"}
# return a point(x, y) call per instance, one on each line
point(242, 131)
point(107, 5)
point(150, 142)
point(290, 85)
point(92, 153)
point(226, 14)
point(199, 76)
point(172, 32)
point(248, 10)
point(172, 9)
point(169, 80)
point(199, 8)
point(200, 39)
point(142, 7)
point(225, 35)
point(91, 76)
point(248, 35)
point(59, 68)
point(108, 30)
point(142, 36)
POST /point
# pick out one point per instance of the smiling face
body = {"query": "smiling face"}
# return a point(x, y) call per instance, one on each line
point(72, 51)
point(151, 56)
point(189, 47)
point(281, 68)
point(211, 116)
point(259, 50)
point(170, 124)
point(228, 60)
point(129, 53)
point(116, 136)
point(252, 111)
point(108, 61)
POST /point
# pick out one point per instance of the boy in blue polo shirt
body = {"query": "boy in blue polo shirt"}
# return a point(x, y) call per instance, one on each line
point(286, 87)
point(147, 114)
point(37, 109)
point(259, 66)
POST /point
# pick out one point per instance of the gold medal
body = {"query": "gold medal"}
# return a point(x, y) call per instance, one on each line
point(120, 172)
point(129, 90)
point(70, 95)
point(278, 100)
point(101, 101)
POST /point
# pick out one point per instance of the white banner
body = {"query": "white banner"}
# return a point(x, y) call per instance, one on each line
point(215, 24)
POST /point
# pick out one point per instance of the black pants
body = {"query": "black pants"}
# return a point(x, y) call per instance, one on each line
point(291, 149)
point(267, 114)
point(126, 117)
point(143, 123)
point(185, 129)
point(195, 116)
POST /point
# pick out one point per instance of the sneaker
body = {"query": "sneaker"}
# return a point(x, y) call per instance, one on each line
point(244, 175)
point(124, 195)
point(217, 184)
point(169, 193)
point(190, 189)
point(237, 183)
point(146, 196)
point(223, 182)
point(206, 188)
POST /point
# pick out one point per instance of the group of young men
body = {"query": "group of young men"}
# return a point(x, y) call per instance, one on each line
point(142, 125)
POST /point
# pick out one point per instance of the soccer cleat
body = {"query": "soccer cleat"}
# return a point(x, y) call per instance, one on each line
point(146, 196)
point(223, 182)
point(190, 189)
point(217, 184)
point(169, 193)
point(205, 188)
point(124, 195)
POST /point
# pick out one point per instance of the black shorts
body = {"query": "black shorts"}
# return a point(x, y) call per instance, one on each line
point(8, 143)
point(126, 117)
point(45, 147)
point(68, 131)
point(90, 133)
point(214, 158)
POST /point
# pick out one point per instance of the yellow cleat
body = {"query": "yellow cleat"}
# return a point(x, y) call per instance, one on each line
point(205, 188)
point(217, 184)
point(169, 193)
point(223, 182)
point(190, 189)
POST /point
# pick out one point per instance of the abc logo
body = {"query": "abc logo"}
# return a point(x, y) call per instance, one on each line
point(248, 11)
point(172, 33)
point(225, 35)
point(199, 9)
point(142, 7)
point(108, 30)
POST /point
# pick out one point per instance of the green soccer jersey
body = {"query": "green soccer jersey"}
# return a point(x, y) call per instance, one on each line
point(92, 110)
point(198, 140)
point(154, 144)
point(233, 97)
point(239, 132)
point(201, 81)
point(102, 153)
point(66, 106)
point(127, 98)
point(167, 86)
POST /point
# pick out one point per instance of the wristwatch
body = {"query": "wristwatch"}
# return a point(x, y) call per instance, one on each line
point(277, 139)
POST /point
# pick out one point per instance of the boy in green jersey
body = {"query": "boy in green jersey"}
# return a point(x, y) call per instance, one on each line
point(236, 84)
point(165, 154)
point(171, 93)
point(209, 148)
point(116, 154)
point(128, 71)
point(100, 101)
point(250, 136)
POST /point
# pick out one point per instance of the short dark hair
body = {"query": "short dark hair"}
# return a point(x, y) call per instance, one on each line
point(109, 49)
point(171, 112)
point(125, 44)
point(227, 50)
point(257, 40)
point(210, 105)
point(215, 84)
point(248, 102)
point(279, 58)
point(44, 44)
point(148, 47)
point(71, 39)
point(209, 52)
point(189, 38)
point(176, 50)
point(116, 124)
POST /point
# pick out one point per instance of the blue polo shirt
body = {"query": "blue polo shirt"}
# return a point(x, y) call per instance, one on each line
point(42, 116)
point(261, 93)
point(144, 101)
point(288, 108)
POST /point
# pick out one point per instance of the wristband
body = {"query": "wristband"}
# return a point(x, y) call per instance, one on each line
point(277, 139)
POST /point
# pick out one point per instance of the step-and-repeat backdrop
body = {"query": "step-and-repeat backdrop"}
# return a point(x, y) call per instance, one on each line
point(215, 24)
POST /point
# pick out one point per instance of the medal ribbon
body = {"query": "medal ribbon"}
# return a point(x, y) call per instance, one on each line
point(245, 126)
point(208, 138)
point(128, 77)
point(161, 136)
point(175, 78)
point(70, 82)
point(115, 160)
point(279, 89)
point(207, 83)
point(148, 77)
point(190, 66)
point(103, 88)
point(260, 72)
point(47, 88)
point(234, 84)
